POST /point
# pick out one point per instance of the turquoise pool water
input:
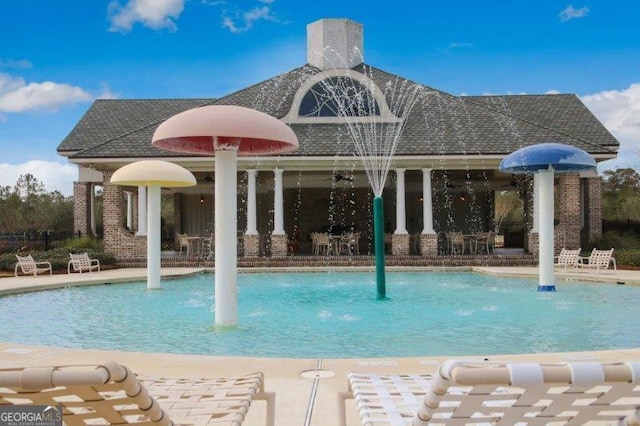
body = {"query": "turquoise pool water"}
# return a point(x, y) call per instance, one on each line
point(332, 315)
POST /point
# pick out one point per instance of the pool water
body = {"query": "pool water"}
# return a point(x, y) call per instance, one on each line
point(333, 315)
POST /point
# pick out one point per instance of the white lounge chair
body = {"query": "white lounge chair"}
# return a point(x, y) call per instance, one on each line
point(567, 258)
point(28, 266)
point(82, 263)
point(112, 394)
point(598, 260)
point(465, 393)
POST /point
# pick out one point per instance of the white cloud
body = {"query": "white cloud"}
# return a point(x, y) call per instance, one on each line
point(54, 176)
point(619, 111)
point(552, 92)
point(244, 21)
point(106, 92)
point(18, 96)
point(155, 14)
point(570, 13)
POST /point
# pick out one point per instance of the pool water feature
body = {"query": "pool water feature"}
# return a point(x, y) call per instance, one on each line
point(304, 315)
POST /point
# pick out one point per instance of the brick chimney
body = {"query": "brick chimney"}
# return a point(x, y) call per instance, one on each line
point(334, 43)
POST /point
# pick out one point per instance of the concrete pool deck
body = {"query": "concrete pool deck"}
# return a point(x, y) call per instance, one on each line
point(300, 401)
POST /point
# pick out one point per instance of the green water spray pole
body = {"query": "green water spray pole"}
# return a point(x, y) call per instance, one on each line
point(378, 236)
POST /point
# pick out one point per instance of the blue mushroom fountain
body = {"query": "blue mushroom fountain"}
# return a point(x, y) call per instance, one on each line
point(546, 159)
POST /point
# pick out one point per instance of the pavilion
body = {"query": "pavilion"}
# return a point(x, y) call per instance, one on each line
point(444, 173)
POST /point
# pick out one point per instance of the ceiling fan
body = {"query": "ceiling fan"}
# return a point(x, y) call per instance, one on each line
point(207, 179)
point(337, 177)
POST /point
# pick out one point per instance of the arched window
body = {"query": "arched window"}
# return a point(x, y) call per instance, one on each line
point(338, 97)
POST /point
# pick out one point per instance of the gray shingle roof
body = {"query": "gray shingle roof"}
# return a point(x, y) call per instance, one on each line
point(439, 124)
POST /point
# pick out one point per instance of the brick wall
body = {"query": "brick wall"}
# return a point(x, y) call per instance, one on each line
point(429, 244)
point(279, 245)
point(81, 208)
point(251, 245)
point(568, 232)
point(134, 200)
point(400, 244)
point(118, 240)
point(594, 202)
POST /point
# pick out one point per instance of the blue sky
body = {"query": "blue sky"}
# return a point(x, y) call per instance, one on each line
point(57, 57)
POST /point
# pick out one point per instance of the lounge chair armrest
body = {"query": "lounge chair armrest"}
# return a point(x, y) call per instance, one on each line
point(581, 259)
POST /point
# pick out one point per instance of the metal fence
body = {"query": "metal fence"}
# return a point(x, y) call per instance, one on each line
point(621, 226)
point(28, 241)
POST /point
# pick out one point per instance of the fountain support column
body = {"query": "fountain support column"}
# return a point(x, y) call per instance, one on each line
point(153, 238)
point(378, 234)
point(545, 222)
point(226, 254)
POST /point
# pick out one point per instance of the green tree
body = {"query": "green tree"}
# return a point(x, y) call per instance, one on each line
point(28, 207)
point(621, 194)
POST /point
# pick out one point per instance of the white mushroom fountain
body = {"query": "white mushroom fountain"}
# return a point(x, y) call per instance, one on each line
point(153, 174)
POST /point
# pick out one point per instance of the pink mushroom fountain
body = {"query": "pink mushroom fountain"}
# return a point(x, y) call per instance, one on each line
point(225, 131)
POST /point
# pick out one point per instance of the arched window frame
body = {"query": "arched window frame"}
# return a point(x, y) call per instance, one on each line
point(386, 116)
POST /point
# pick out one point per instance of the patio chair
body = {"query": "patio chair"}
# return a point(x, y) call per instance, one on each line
point(183, 240)
point(457, 243)
point(82, 263)
point(567, 258)
point(322, 244)
point(208, 246)
point(350, 243)
point(598, 260)
point(28, 266)
point(112, 394)
point(463, 393)
point(486, 242)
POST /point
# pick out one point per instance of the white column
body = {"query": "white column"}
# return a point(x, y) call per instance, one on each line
point(401, 213)
point(427, 203)
point(129, 210)
point(536, 203)
point(142, 210)
point(545, 255)
point(278, 203)
point(252, 227)
point(226, 225)
point(153, 239)
point(92, 206)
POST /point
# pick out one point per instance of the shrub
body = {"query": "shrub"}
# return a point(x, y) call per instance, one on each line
point(627, 257)
point(618, 241)
point(84, 244)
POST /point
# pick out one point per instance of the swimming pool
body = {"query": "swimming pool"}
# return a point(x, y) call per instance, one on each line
point(334, 315)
